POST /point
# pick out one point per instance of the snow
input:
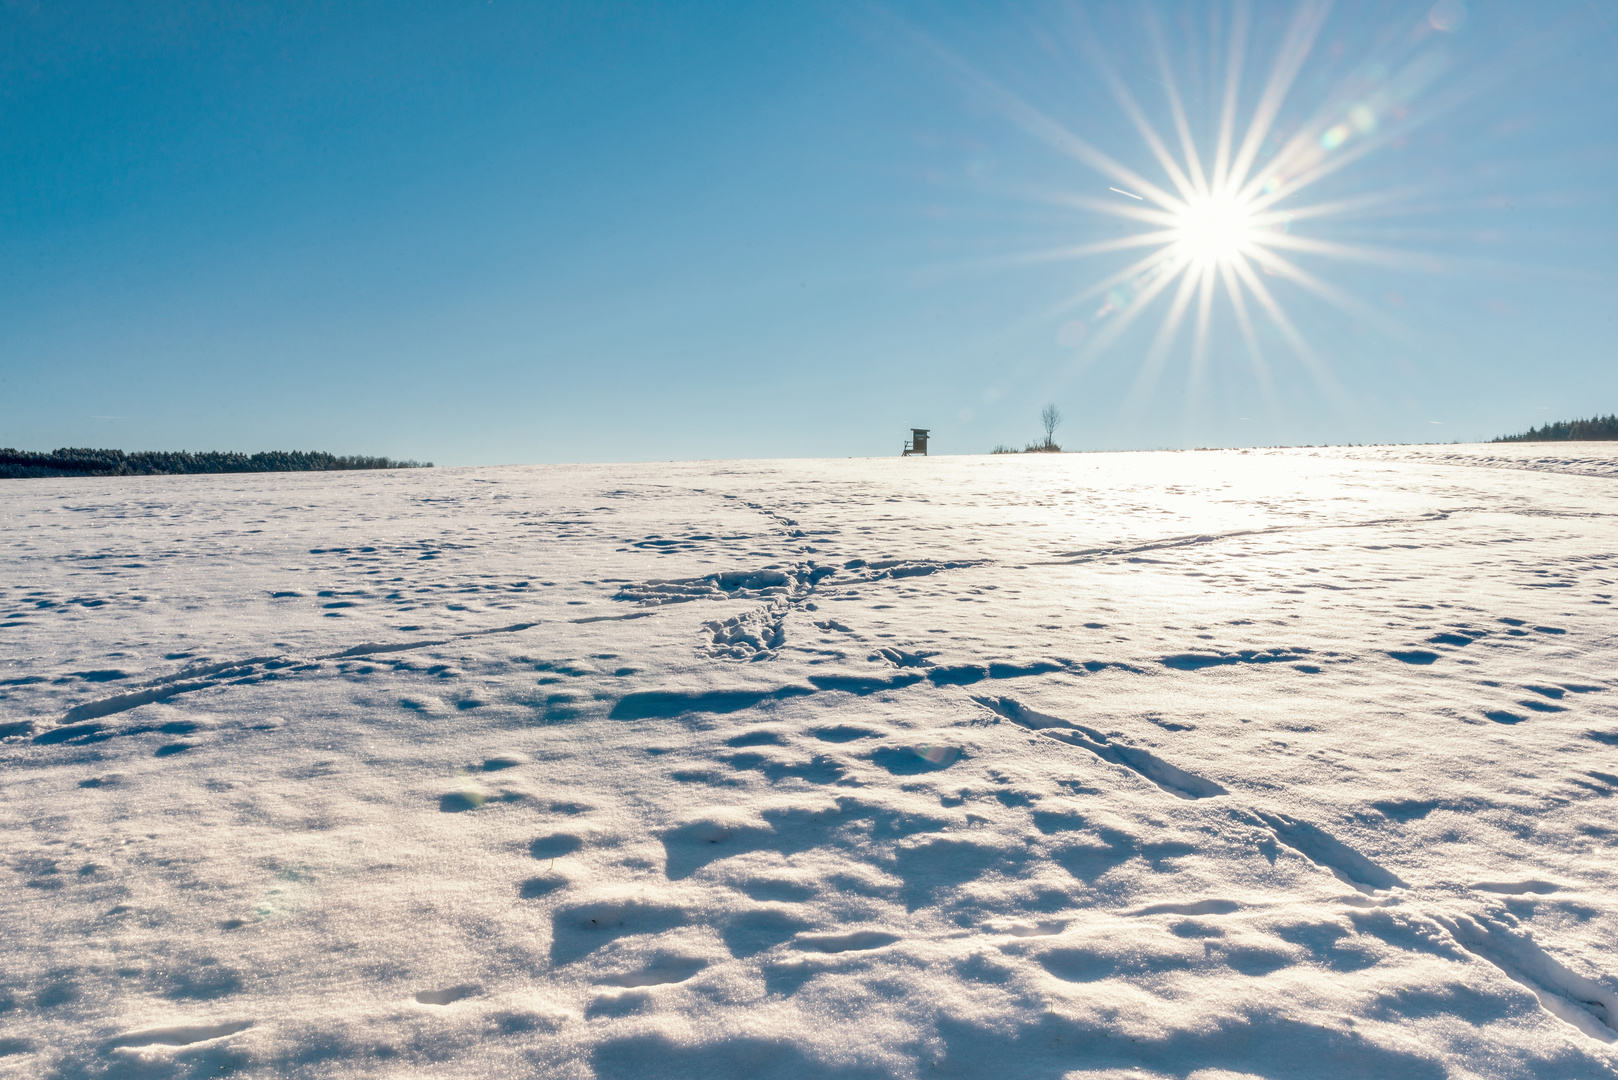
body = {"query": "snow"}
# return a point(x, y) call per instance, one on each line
point(1287, 763)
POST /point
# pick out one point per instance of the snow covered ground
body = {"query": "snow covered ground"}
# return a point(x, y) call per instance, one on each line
point(1211, 764)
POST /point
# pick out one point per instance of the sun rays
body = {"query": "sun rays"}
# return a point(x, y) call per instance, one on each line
point(1219, 228)
point(1223, 215)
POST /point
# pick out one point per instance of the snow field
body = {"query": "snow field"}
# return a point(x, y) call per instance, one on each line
point(1218, 764)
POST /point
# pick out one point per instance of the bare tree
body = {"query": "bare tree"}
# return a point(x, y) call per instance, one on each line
point(1051, 417)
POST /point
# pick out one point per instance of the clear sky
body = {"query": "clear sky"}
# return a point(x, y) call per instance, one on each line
point(496, 232)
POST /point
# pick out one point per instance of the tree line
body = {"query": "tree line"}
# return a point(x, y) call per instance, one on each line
point(81, 461)
point(1595, 429)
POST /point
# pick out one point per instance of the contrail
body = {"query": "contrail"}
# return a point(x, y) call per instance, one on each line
point(1121, 191)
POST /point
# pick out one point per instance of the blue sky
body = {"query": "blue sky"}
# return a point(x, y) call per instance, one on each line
point(488, 232)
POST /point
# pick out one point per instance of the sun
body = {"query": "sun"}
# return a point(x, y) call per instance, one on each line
point(1214, 229)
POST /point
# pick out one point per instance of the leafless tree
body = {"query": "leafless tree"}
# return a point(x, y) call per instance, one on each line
point(1051, 417)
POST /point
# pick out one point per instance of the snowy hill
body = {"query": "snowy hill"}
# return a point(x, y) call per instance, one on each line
point(1242, 763)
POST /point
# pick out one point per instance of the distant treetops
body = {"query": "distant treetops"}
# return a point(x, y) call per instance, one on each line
point(15, 464)
point(1595, 429)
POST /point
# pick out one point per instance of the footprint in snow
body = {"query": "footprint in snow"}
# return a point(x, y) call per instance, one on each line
point(1406, 809)
point(1191, 928)
point(1517, 888)
point(1029, 930)
point(185, 1035)
point(555, 845)
point(778, 889)
point(617, 1003)
point(534, 888)
point(1197, 907)
point(660, 972)
point(858, 941)
point(844, 733)
point(757, 738)
point(910, 760)
point(1460, 640)
point(446, 996)
point(753, 932)
point(458, 802)
point(579, 929)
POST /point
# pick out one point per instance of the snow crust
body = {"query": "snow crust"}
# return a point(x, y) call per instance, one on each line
point(1198, 765)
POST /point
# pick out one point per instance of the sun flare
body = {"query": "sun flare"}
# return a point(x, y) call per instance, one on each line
point(1218, 217)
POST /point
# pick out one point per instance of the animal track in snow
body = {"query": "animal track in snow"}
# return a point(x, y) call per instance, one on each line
point(1567, 995)
point(728, 585)
point(751, 636)
point(1200, 539)
point(1323, 849)
point(757, 635)
point(1171, 778)
point(240, 673)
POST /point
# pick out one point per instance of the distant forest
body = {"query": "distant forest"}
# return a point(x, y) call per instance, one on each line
point(1595, 429)
point(15, 464)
